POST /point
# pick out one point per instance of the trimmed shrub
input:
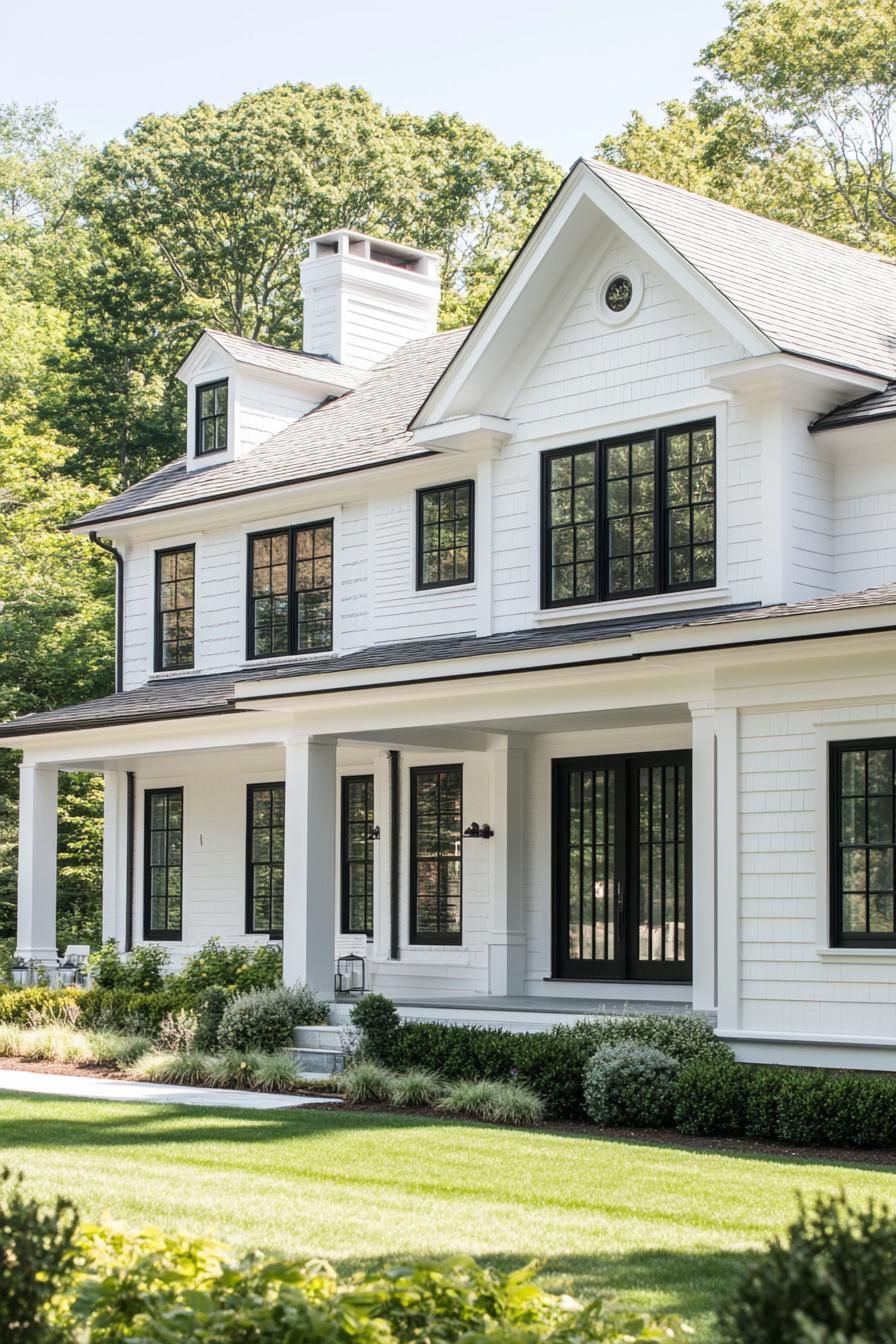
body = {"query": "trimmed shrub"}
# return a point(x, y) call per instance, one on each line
point(234, 968)
point(129, 1010)
point(21, 1005)
point(417, 1087)
point(366, 1082)
point(710, 1097)
point(630, 1084)
point(209, 1014)
point(37, 1249)
point(376, 1017)
point(552, 1063)
point(831, 1279)
point(262, 1020)
point(501, 1103)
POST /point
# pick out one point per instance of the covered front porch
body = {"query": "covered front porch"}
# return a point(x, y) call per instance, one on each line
point(516, 854)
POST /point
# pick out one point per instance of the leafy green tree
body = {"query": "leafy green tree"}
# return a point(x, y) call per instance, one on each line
point(201, 219)
point(792, 118)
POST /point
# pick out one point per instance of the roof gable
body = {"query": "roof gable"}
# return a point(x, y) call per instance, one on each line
point(772, 287)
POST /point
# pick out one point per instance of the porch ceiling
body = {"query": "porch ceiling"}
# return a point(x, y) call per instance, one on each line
point(644, 716)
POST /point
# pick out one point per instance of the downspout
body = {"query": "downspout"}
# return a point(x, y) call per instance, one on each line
point(129, 866)
point(119, 605)
point(394, 852)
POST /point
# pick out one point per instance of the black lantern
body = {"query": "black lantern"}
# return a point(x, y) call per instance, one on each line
point(351, 974)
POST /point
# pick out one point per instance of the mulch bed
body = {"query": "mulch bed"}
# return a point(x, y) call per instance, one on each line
point(649, 1138)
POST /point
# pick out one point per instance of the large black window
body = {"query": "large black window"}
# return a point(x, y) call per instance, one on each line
point(163, 864)
point(357, 854)
point(211, 418)
point(291, 590)
point(629, 517)
point(264, 859)
point(445, 535)
point(863, 811)
point(175, 574)
point(436, 862)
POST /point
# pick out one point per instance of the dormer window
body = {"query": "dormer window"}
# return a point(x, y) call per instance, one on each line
point(211, 418)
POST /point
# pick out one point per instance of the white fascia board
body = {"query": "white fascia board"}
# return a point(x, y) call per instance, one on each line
point(465, 433)
point(204, 346)
point(774, 374)
point(557, 240)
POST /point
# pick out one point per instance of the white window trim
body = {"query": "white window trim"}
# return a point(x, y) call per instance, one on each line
point(632, 272)
point(825, 734)
point(181, 539)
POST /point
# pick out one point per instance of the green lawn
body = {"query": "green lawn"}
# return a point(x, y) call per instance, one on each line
point(666, 1227)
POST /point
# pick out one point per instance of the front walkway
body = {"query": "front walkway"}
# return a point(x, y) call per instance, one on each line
point(117, 1089)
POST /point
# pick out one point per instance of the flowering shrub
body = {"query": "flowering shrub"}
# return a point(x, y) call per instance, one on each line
point(142, 969)
point(238, 968)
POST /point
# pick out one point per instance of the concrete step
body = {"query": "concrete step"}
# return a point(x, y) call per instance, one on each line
point(318, 1038)
point(321, 1063)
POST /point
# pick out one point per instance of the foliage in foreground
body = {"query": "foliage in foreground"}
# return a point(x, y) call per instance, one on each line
point(99, 1285)
point(831, 1280)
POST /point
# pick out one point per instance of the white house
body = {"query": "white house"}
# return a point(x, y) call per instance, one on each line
point(545, 665)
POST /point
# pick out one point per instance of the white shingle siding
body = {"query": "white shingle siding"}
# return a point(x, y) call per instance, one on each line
point(864, 521)
point(785, 986)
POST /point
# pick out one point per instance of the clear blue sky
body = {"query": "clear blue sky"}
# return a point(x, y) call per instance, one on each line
point(558, 74)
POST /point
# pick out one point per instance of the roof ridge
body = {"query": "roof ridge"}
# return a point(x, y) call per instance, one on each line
point(597, 166)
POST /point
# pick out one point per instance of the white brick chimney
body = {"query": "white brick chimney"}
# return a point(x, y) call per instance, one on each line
point(364, 298)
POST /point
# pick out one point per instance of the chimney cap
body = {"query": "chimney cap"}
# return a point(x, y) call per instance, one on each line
point(353, 243)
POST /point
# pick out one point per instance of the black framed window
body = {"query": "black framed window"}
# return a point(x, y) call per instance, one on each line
point(629, 517)
point(211, 418)
point(265, 828)
point(175, 607)
point(357, 854)
point(436, 854)
point(163, 864)
point(863, 829)
point(445, 535)
point(291, 590)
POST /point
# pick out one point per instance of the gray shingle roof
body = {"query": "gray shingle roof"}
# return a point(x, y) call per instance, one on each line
point(320, 368)
point(810, 296)
point(189, 696)
point(364, 428)
point(876, 406)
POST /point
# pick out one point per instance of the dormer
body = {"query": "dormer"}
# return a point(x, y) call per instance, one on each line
point(241, 392)
point(363, 297)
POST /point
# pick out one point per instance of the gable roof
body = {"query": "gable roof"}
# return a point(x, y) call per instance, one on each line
point(364, 428)
point(809, 295)
point(279, 359)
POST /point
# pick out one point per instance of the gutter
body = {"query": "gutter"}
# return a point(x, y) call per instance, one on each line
point(119, 604)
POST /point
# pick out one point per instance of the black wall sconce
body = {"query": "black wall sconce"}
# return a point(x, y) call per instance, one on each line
point(476, 832)
point(373, 833)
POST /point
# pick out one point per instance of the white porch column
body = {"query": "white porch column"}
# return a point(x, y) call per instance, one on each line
point(703, 854)
point(309, 864)
point(36, 915)
point(506, 936)
point(115, 847)
point(728, 734)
